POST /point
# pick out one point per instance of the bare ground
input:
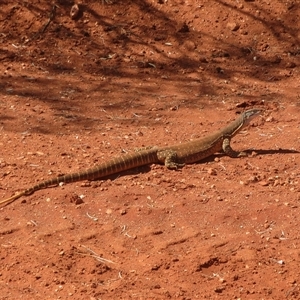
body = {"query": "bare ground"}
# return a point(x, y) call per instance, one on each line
point(128, 74)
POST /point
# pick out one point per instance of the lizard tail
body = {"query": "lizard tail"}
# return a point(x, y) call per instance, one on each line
point(12, 198)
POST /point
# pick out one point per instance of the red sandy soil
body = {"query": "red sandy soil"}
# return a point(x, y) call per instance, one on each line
point(128, 74)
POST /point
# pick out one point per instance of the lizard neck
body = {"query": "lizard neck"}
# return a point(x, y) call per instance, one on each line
point(234, 127)
point(242, 121)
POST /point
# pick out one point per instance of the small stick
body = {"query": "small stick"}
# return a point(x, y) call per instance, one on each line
point(96, 256)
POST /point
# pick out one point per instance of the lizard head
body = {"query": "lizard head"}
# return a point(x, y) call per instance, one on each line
point(248, 115)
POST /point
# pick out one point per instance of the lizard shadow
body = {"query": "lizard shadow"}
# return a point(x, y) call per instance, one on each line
point(271, 151)
point(257, 152)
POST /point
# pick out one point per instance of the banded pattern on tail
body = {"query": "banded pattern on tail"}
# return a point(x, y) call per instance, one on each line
point(113, 166)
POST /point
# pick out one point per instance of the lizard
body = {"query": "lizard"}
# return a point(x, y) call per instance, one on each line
point(173, 157)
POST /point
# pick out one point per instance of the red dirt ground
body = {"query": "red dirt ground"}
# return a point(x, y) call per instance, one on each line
point(128, 74)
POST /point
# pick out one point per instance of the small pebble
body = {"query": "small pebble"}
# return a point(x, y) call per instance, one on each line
point(74, 13)
point(233, 26)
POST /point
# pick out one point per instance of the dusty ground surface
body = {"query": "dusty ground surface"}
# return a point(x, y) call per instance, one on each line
point(129, 74)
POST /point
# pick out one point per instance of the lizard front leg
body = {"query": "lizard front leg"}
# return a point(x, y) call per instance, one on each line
point(229, 151)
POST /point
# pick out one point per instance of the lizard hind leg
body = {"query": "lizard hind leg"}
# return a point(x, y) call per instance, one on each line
point(171, 161)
